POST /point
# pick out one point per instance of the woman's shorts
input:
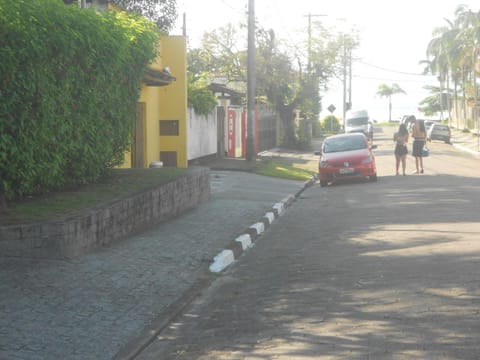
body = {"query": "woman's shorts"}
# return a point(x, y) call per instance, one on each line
point(401, 149)
point(418, 147)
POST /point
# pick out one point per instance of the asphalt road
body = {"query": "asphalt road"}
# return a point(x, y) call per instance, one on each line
point(386, 270)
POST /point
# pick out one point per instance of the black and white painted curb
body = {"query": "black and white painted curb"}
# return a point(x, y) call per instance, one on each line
point(245, 241)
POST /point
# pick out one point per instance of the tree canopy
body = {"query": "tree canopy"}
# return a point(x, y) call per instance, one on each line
point(282, 81)
point(161, 12)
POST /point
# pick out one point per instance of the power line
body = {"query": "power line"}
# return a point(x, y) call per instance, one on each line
point(389, 70)
point(391, 80)
point(291, 42)
point(235, 9)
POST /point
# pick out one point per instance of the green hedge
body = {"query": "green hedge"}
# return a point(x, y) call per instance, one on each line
point(69, 82)
point(331, 124)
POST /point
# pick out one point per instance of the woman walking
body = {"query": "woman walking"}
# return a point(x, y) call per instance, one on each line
point(419, 136)
point(401, 151)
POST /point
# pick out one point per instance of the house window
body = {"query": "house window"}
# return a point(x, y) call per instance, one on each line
point(169, 128)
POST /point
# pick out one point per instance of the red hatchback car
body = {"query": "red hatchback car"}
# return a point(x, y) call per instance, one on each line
point(346, 156)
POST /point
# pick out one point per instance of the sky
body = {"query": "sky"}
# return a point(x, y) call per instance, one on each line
point(394, 36)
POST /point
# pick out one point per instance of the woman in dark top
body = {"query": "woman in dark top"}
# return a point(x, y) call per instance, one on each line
point(419, 135)
point(401, 139)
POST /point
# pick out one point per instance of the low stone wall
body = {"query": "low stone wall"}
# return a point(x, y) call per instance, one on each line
point(71, 237)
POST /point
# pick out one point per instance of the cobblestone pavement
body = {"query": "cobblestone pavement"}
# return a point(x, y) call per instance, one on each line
point(93, 306)
point(353, 271)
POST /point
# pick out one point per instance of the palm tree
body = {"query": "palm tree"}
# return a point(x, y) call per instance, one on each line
point(453, 54)
point(440, 60)
point(387, 91)
point(470, 37)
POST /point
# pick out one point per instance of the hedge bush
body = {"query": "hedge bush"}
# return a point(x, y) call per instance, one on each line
point(69, 82)
point(331, 124)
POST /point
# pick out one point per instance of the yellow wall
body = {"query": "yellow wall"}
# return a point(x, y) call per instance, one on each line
point(150, 96)
point(173, 98)
point(166, 103)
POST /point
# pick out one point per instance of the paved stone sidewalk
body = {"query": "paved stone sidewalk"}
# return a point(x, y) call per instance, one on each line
point(100, 304)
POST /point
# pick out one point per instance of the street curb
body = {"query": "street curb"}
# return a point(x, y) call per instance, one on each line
point(466, 149)
point(225, 258)
point(245, 241)
point(148, 335)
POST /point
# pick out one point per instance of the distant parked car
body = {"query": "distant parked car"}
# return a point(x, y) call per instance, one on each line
point(346, 156)
point(428, 123)
point(439, 132)
point(407, 121)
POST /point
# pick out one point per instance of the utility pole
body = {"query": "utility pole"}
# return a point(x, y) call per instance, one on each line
point(309, 49)
point(344, 80)
point(184, 25)
point(310, 75)
point(250, 150)
point(347, 73)
point(350, 104)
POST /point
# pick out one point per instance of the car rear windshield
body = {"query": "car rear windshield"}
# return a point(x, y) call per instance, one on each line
point(346, 143)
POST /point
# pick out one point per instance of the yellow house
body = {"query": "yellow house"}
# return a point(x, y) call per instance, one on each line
point(160, 133)
point(161, 123)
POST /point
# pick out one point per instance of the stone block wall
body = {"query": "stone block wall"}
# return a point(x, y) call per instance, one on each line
point(74, 236)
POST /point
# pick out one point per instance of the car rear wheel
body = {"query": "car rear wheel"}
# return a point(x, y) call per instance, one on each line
point(323, 183)
point(373, 178)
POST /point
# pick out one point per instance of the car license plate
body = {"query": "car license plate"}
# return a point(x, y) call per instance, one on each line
point(346, 171)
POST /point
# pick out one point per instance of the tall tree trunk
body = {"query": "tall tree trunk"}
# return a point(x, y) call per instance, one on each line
point(286, 113)
point(389, 109)
point(3, 200)
point(449, 105)
point(464, 102)
point(455, 98)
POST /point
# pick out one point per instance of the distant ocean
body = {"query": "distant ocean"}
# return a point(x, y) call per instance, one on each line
point(380, 113)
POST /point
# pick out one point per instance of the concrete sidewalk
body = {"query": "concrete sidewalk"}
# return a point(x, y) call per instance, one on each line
point(465, 141)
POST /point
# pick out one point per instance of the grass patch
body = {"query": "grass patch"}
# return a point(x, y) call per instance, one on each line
point(117, 184)
point(388, 123)
point(285, 169)
point(120, 183)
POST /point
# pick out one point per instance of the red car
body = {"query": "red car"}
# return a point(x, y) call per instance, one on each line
point(346, 156)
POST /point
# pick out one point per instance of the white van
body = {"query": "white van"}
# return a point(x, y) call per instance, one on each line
point(358, 121)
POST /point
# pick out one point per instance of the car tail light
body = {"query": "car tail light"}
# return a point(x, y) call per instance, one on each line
point(367, 160)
